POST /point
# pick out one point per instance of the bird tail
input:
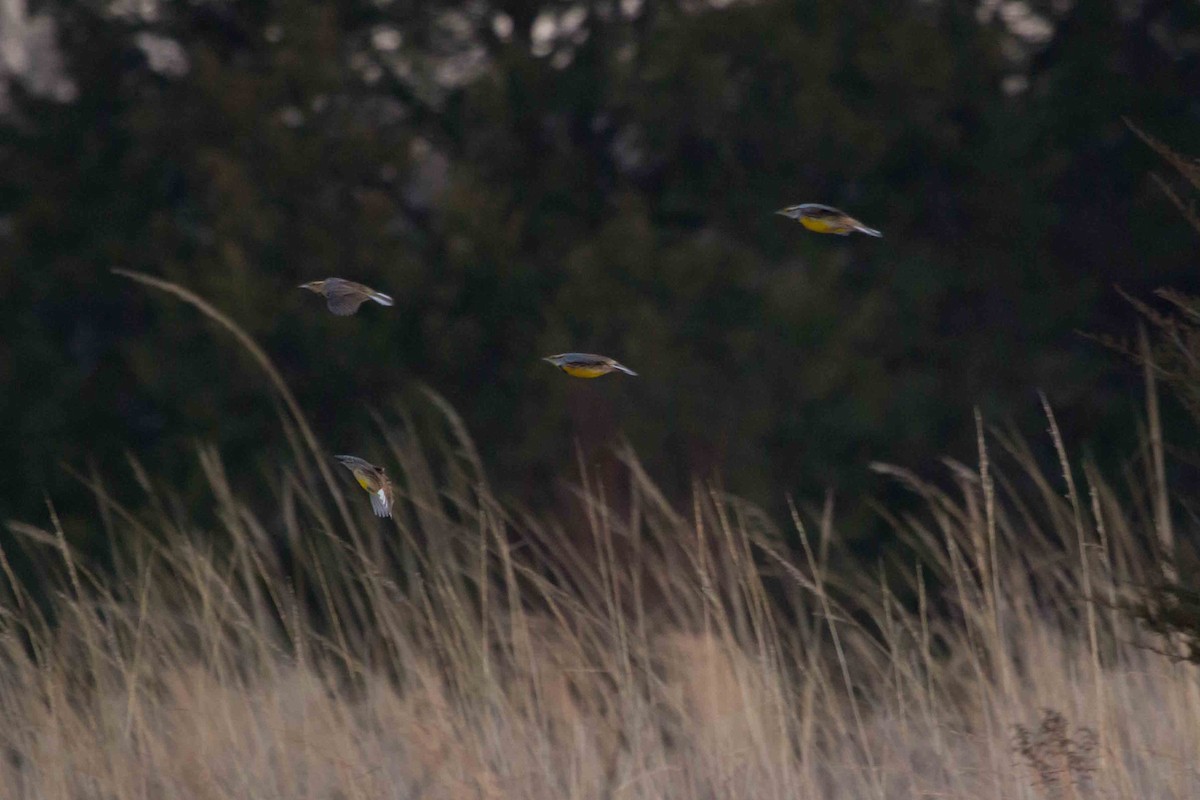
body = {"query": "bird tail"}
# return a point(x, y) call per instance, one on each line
point(868, 231)
point(382, 299)
point(380, 504)
point(625, 369)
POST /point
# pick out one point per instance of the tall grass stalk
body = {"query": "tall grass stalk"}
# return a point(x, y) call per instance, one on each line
point(551, 658)
point(630, 649)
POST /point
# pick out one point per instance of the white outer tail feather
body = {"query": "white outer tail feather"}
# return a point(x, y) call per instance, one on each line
point(625, 369)
point(382, 299)
point(379, 504)
point(868, 231)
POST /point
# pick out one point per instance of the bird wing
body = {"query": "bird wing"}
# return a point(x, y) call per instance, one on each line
point(586, 360)
point(822, 212)
point(344, 302)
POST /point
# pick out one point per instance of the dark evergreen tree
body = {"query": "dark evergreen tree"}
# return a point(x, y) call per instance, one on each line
point(532, 177)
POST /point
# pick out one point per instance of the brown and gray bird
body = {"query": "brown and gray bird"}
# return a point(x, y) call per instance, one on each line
point(344, 297)
point(374, 480)
point(586, 365)
point(826, 219)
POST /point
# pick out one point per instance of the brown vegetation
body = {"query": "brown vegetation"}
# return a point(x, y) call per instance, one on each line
point(468, 649)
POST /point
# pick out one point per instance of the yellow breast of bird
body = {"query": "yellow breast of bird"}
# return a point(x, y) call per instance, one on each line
point(584, 372)
point(365, 482)
point(822, 225)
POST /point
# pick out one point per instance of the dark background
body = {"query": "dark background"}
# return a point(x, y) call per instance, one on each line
point(532, 177)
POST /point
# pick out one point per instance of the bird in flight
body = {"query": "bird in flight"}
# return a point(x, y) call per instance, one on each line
point(373, 479)
point(344, 297)
point(826, 219)
point(586, 365)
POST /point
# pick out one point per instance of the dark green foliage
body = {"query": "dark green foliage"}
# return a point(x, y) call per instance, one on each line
point(608, 189)
point(1174, 348)
point(1171, 352)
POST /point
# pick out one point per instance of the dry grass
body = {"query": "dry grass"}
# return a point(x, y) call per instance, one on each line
point(469, 650)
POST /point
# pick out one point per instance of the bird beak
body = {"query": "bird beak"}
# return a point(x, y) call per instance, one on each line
point(548, 360)
point(783, 212)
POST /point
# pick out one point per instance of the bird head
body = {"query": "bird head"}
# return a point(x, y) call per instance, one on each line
point(555, 360)
point(313, 286)
point(354, 463)
point(791, 212)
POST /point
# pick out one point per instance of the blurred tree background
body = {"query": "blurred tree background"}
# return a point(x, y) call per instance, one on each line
point(532, 176)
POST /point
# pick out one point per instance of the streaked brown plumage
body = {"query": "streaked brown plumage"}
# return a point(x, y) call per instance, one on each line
point(344, 297)
point(373, 479)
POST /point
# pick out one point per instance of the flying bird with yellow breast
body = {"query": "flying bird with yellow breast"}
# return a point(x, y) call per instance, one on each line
point(374, 481)
point(826, 219)
point(587, 365)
